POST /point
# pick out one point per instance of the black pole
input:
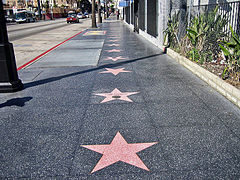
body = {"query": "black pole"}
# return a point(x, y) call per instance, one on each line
point(9, 81)
point(94, 23)
point(39, 10)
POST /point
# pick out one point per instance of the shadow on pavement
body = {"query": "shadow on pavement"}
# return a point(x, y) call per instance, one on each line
point(20, 102)
point(52, 79)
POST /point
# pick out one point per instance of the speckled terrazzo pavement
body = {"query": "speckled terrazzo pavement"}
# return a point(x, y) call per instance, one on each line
point(60, 109)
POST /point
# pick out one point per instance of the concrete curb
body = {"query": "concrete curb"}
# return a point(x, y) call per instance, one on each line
point(227, 90)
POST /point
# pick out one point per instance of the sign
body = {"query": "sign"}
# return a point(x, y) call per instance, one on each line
point(94, 33)
point(125, 3)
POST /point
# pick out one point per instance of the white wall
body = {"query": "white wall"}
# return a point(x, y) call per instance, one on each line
point(204, 2)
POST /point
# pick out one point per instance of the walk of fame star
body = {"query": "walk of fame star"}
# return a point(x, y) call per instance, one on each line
point(116, 94)
point(115, 59)
point(119, 150)
point(114, 50)
point(116, 45)
point(115, 71)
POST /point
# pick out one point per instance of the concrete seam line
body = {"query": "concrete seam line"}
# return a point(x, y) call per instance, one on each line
point(227, 90)
point(46, 52)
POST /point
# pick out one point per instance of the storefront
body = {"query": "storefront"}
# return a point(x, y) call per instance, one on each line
point(148, 18)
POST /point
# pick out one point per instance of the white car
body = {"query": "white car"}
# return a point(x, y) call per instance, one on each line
point(86, 15)
point(80, 16)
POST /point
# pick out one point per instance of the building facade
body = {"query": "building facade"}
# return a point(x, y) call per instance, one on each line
point(149, 18)
point(33, 4)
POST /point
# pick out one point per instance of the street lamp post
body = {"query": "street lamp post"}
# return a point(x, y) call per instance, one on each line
point(94, 23)
point(9, 81)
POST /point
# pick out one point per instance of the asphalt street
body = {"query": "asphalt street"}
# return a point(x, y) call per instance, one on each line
point(117, 108)
point(32, 46)
point(16, 26)
point(20, 31)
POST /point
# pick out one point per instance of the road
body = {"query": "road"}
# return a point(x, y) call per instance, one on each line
point(32, 39)
point(19, 31)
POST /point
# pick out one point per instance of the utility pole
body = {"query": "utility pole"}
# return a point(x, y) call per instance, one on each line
point(94, 23)
point(99, 12)
point(39, 9)
point(9, 81)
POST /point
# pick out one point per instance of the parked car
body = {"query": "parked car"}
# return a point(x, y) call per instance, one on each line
point(25, 16)
point(10, 18)
point(72, 18)
point(80, 16)
point(86, 14)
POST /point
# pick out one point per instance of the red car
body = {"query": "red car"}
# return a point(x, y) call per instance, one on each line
point(72, 18)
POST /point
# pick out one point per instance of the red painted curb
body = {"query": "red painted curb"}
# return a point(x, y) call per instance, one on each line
point(36, 58)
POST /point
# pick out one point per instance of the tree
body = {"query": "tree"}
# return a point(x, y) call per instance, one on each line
point(84, 5)
point(99, 12)
point(94, 23)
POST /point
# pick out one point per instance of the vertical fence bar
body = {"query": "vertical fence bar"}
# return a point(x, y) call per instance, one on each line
point(238, 19)
point(232, 15)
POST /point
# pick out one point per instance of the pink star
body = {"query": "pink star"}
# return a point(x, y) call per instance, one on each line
point(115, 59)
point(116, 94)
point(119, 150)
point(113, 45)
point(113, 40)
point(114, 50)
point(115, 71)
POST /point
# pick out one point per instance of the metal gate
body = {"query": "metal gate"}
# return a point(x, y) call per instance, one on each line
point(141, 17)
point(152, 17)
point(127, 14)
point(136, 16)
point(132, 14)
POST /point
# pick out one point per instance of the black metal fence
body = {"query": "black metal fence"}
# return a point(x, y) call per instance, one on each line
point(230, 10)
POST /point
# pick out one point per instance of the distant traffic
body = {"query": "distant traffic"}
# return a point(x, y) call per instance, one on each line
point(25, 16)
point(74, 17)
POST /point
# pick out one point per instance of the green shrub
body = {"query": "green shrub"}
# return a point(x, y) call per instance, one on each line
point(204, 33)
point(231, 50)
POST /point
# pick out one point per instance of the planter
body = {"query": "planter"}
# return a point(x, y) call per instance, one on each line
point(227, 90)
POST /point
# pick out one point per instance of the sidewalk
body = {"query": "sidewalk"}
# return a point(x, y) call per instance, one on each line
point(109, 105)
